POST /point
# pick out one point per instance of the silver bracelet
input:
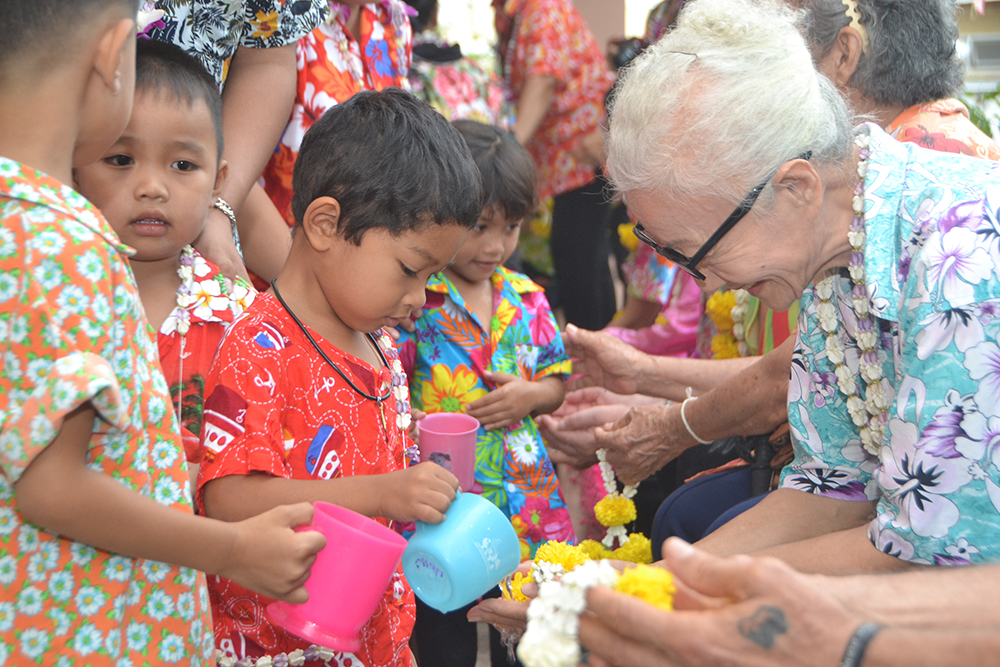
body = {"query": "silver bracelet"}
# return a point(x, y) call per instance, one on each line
point(227, 210)
point(858, 644)
point(688, 426)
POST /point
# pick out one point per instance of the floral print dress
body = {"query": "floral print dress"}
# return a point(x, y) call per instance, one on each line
point(445, 358)
point(944, 126)
point(333, 65)
point(212, 30)
point(932, 264)
point(72, 331)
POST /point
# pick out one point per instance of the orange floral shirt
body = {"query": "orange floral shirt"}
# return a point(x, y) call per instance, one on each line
point(550, 38)
point(332, 67)
point(944, 126)
point(72, 331)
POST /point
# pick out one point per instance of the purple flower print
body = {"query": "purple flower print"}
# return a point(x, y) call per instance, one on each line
point(956, 262)
point(983, 363)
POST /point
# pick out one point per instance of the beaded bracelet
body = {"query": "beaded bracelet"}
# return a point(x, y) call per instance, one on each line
point(227, 210)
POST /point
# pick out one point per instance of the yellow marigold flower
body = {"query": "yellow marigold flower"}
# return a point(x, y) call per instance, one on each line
point(650, 584)
point(638, 549)
point(559, 552)
point(614, 510)
point(594, 549)
point(515, 587)
point(725, 346)
point(720, 308)
point(628, 239)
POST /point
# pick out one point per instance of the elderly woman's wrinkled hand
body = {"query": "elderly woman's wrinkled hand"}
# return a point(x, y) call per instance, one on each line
point(601, 360)
point(643, 441)
point(737, 610)
point(571, 440)
point(506, 614)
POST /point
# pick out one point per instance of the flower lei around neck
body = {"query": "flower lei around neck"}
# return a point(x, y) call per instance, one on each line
point(869, 413)
point(565, 572)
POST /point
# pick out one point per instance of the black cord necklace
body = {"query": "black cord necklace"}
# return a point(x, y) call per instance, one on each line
point(370, 397)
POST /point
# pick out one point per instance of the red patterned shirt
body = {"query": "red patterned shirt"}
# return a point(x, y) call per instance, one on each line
point(275, 406)
point(944, 126)
point(332, 67)
point(550, 38)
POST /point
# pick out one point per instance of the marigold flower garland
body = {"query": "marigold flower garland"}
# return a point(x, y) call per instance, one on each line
point(564, 573)
point(728, 312)
point(869, 413)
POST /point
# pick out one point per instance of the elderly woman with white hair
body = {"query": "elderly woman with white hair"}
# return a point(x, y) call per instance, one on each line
point(741, 163)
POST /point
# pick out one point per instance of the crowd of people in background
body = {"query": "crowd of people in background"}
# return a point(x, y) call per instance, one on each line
point(248, 244)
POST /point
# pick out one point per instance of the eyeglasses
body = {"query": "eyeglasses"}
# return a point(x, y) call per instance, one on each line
point(689, 264)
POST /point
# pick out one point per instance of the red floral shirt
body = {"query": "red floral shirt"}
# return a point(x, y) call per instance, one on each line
point(275, 406)
point(944, 126)
point(550, 38)
point(332, 67)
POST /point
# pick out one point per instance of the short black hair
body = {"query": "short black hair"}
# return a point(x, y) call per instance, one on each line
point(37, 26)
point(507, 170)
point(163, 67)
point(391, 161)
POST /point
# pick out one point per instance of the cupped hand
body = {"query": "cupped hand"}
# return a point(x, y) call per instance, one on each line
point(754, 611)
point(644, 440)
point(419, 493)
point(513, 399)
point(506, 614)
point(600, 359)
point(571, 439)
point(269, 557)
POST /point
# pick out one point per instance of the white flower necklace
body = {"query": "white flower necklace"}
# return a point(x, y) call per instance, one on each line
point(739, 313)
point(182, 322)
point(554, 616)
point(869, 413)
point(611, 486)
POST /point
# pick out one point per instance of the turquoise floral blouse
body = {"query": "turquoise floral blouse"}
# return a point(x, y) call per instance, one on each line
point(932, 263)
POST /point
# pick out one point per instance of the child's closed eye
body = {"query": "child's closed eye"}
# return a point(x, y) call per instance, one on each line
point(408, 272)
point(119, 160)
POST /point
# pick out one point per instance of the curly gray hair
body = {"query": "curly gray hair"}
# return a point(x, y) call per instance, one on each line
point(911, 56)
point(719, 103)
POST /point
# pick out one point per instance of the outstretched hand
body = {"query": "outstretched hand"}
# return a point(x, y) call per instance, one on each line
point(737, 610)
point(269, 557)
point(419, 493)
point(644, 440)
point(601, 360)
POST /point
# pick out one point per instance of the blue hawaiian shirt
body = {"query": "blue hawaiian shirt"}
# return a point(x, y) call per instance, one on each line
point(445, 358)
point(932, 263)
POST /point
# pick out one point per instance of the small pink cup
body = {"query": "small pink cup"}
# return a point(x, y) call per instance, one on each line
point(449, 439)
point(348, 579)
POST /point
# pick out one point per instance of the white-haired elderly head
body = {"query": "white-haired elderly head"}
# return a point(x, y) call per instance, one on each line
point(728, 101)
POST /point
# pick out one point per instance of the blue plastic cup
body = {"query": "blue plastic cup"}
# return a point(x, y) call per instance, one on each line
point(453, 563)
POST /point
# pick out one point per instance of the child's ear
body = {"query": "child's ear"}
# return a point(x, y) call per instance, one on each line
point(220, 178)
point(112, 50)
point(321, 223)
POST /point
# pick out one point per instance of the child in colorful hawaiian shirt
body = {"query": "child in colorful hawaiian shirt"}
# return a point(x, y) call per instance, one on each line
point(488, 345)
point(99, 550)
point(156, 187)
point(307, 399)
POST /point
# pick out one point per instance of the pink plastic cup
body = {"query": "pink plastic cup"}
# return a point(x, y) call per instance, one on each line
point(348, 579)
point(449, 439)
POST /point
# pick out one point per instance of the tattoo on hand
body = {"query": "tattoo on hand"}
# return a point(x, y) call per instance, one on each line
point(764, 626)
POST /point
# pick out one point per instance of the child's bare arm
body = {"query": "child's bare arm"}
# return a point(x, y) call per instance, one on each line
point(60, 493)
point(421, 492)
point(515, 398)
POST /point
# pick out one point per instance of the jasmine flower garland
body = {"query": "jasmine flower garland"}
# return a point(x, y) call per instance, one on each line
point(615, 509)
point(869, 413)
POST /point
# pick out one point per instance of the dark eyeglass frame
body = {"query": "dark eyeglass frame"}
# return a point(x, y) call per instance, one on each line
point(690, 264)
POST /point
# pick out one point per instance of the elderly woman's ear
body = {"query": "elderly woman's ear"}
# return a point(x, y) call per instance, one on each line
point(799, 186)
point(841, 61)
